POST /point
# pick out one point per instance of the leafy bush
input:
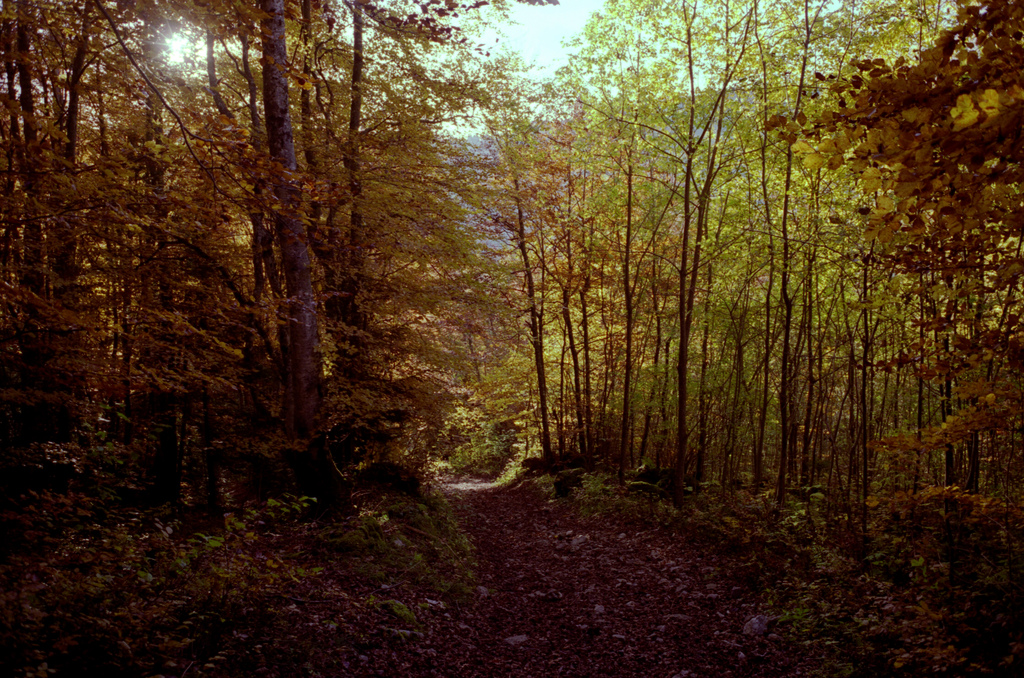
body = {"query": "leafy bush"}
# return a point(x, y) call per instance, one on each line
point(109, 590)
point(418, 537)
point(485, 446)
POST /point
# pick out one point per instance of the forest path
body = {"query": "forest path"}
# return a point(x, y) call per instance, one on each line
point(573, 596)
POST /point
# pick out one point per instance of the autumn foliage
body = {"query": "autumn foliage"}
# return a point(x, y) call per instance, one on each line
point(936, 148)
point(762, 254)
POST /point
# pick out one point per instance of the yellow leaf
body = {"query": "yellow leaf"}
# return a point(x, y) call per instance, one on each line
point(874, 139)
point(802, 147)
point(989, 102)
point(890, 136)
point(871, 180)
point(912, 115)
point(964, 114)
point(885, 203)
point(814, 161)
point(871, 502)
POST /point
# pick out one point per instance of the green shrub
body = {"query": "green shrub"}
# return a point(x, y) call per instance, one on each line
point(487, 445)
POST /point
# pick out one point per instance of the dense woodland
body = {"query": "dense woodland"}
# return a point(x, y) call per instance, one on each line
point(766, 252)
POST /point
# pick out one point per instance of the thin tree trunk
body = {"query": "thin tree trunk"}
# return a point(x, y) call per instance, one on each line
point(808, 411)
point(581, 434)
point(786, 386)
point(627, 286)
point(265, 270)
point(864, 402)
point(352, 314)
point(536, 332)
point(649, 409)
point(587, 388)
point(212, 454)
point(759, 445)
point(703, 407)
point(560, 419)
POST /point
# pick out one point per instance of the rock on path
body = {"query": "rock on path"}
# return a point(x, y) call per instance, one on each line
point(562, 595)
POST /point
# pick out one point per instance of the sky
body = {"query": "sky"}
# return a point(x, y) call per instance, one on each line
point(542, 29)
point(538, 35)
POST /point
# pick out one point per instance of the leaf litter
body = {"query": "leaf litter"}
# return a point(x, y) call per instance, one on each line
point(565, 595)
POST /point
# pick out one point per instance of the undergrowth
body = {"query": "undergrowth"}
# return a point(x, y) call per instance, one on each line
point(881, 605)
point(93, 587)
point(396, 539)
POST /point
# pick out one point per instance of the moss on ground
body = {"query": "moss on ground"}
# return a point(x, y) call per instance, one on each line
point(400, 612)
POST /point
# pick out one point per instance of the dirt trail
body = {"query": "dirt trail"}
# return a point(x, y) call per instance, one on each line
point(568, 596)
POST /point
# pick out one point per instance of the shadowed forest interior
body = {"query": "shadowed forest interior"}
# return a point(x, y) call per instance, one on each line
point(747, 271)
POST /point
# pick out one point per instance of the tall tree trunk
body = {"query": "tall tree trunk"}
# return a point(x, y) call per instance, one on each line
point(536, 332)
point(64, 234)
point(8, 30)
point(588, 399)
point(314, 467)
point(264, 263)
point(560, 418)
point(306, 109)
point(303, 387)
point(758, 457)
point(351, 283)
point(265, 270)
point(211, 453)
point(758, 452)
point(164, 402)
point(649, 409)
point(581, 430)
point(627, 287)
point(805, 452)
point(78, 66)
point(703, 401)
point(687, 293)
point(786, 385)
point(864, 438)
point(33, 276)
point(736, 414)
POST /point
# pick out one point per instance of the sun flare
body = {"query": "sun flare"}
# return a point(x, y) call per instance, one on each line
point(177, 46)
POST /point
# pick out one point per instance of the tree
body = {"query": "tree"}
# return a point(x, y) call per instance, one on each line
point(167, 244)
point(934, 144)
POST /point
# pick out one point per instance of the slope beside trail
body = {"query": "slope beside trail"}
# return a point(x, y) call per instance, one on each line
point(563, 595)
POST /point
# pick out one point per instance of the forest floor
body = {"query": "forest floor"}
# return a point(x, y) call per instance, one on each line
point(560, 594)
